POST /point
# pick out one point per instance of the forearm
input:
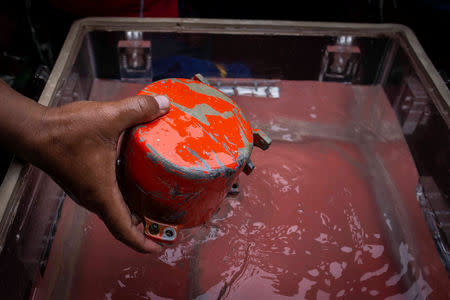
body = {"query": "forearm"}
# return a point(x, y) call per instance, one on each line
point(76, 144)
point(20, 119)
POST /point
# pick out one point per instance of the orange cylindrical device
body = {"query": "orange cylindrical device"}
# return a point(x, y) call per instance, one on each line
point(175, 171)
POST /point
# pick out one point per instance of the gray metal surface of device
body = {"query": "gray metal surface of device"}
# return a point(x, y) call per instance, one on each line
point(100, 55)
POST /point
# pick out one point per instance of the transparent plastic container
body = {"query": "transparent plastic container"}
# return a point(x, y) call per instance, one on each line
point(348, 202)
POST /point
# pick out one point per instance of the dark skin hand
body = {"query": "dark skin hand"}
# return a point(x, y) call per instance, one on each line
point(77, 145)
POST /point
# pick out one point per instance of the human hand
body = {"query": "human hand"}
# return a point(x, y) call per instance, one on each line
point(77, 145)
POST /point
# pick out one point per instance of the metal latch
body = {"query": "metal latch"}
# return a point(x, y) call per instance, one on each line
point(341, 62)
point(135, 60)
point(260, 140)
point(412, 105)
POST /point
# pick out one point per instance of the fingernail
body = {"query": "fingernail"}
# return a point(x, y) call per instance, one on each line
point(163, 102)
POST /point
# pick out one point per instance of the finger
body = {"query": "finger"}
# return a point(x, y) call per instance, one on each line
point(139, 109)
point(135, 219)
point(119, 144)
point(123, 226)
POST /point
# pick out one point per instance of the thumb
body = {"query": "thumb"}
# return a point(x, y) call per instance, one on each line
point(140, 109)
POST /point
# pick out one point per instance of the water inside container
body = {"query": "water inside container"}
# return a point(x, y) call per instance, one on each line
point(329, 212)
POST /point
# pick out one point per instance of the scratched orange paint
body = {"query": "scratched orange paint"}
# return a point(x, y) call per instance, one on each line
point(197, 149)
point(172, 134)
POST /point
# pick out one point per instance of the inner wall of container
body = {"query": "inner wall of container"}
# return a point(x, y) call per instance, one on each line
point(330, 210)
point(256, 56)
point(382, 62)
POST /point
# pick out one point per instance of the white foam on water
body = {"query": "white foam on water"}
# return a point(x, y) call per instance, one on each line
point(405, 258)
point(121, 284)
point(378, 272)
point(346, 249)
point(420, 289)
